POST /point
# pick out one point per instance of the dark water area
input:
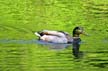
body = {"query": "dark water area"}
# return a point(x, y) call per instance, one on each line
point(34, 41)
point(37, 42)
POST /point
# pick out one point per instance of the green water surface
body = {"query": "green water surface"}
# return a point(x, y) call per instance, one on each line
point(19, 19)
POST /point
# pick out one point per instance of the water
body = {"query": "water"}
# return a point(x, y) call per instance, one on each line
point(20, 17)
point(53, 45)
point(42, 55)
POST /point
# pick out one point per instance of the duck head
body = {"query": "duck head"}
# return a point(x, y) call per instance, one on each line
point(77, 31)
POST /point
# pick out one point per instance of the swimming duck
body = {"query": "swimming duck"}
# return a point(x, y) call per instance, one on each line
point(59, 36)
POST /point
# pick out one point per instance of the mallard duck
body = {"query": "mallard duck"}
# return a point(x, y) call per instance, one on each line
point(59, 36)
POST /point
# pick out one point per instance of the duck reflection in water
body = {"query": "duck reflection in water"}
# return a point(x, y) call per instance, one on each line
point(60, 37)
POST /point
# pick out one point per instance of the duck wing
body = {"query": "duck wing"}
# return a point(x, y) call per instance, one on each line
point(54, 33)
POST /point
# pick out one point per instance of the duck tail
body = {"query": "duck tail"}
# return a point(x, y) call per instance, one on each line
point(37, 34)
